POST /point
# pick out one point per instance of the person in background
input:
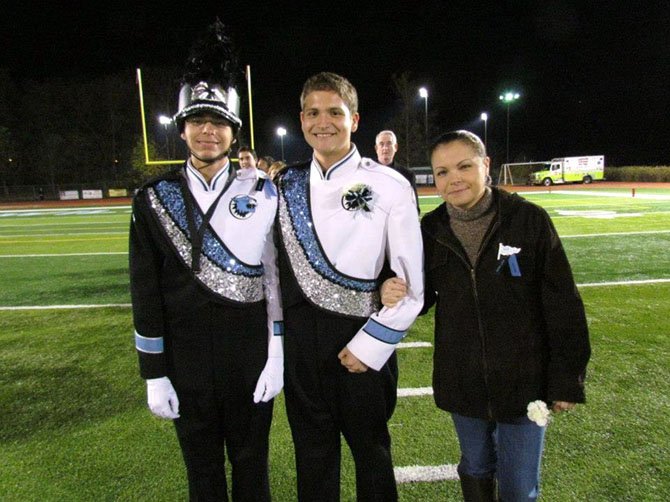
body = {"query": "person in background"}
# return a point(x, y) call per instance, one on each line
point(510, 326)
point(264, 163)
point(341, 218)
point(386, 146)
point(246, 157)
point(205, 292)
point(275, 168)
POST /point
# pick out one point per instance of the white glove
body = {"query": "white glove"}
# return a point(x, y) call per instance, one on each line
point(271, 381)
point(162, 398)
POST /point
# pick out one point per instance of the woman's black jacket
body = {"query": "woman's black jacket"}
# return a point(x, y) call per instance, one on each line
point(505, 335)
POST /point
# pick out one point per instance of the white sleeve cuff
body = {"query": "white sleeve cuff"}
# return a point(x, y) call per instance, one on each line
point(374, 353)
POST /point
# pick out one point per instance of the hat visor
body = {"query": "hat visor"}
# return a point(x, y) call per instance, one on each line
point(204, 107)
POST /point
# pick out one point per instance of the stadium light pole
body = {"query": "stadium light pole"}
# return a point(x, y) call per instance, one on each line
point(508, 98)
point(281, 132)
point(165, 121)
point(423, 92)
point(485, 117)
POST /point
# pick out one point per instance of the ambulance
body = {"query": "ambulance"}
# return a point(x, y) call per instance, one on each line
point(570, 170)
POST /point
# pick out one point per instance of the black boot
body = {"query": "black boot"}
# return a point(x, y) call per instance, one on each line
point(478, 489)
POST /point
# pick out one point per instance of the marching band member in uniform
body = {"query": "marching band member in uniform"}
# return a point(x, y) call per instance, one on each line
point(342, 218)
point(205, 291)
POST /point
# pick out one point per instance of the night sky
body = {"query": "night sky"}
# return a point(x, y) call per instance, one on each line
point(593, 77)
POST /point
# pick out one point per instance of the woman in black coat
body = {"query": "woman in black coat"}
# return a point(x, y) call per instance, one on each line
point(510, 327)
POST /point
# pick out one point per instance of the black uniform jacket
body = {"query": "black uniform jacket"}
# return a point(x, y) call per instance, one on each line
point(507, 330)
point(170, 304)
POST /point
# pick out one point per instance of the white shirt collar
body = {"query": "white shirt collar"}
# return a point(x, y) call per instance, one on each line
point(197, 181)
point(343, 167)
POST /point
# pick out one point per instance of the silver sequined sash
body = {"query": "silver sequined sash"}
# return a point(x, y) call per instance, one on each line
point(221, 271)
point(319, 280)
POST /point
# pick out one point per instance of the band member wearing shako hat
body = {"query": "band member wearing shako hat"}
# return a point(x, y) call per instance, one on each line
point(205, 290)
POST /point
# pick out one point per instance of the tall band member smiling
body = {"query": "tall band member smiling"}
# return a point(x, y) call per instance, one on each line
point(342, 218)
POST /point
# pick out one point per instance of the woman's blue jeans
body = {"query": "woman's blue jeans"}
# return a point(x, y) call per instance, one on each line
point(509, 452)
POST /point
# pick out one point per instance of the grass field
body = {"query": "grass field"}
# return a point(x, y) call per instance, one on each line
point(74, 424)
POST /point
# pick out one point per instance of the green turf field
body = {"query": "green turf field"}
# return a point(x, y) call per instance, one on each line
point(74, 425)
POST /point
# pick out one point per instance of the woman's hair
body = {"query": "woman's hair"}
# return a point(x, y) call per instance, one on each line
point(276, 168)
point(463, 136)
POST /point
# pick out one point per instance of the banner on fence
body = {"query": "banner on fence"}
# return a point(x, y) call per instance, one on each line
point(68, 194)
point(91, 194)
point(118, 192)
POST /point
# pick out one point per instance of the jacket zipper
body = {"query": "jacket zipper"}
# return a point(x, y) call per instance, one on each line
point(482, 338)
point(473, 280)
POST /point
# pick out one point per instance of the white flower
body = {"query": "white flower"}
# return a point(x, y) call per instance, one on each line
point(356, 187)
point(539, 413)
point(357, 197)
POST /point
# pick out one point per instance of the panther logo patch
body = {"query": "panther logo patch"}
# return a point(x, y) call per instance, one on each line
point(242, 206)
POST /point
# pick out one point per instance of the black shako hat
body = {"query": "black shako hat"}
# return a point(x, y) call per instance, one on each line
point(209, 80)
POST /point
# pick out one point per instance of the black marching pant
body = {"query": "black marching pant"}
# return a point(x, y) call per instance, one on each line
point(215, 375)
point(323, 400)
point(202, 438)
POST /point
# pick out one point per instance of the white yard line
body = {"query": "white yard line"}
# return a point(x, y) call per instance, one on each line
point(622, 283)
point(66, 210)
point(413, 345)
point(52, 255)
point(415, 391)
point(653, 196)
point(64, 307)
point(56, 224)
point(128, 305)
point(574, 236)
point(425, 473)
point(68, 234)
point(608, 234)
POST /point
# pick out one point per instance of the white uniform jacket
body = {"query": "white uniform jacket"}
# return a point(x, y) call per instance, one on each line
point(338, 229)
point(237, 261)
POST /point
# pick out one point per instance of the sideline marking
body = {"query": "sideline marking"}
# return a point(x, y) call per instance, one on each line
point(425, 473)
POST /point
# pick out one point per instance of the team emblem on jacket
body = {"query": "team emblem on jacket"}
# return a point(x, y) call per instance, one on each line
point(242, 206)
point(357, 197)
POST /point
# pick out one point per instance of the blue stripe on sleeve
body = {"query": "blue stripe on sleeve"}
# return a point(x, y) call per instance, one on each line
point(278, 328)
point(383, 333)
point(148, 345)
